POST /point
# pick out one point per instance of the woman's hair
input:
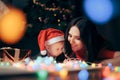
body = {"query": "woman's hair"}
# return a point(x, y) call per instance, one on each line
point(85, 28)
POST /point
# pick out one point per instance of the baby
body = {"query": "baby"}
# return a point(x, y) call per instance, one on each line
point(51, 42)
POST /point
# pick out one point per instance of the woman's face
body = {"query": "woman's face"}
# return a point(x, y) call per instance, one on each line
point(74, 39)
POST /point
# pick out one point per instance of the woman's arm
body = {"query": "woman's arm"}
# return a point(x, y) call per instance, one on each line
point(115, 60)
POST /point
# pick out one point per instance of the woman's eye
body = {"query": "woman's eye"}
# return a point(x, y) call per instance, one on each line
point(70, 35)
point(78, 38)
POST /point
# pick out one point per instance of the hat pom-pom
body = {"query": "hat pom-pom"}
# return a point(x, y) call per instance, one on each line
point(43, 52)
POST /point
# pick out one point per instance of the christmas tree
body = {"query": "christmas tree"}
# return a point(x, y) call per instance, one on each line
point(43, 14)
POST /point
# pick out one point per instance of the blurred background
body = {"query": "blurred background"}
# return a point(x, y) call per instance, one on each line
point(43, 14)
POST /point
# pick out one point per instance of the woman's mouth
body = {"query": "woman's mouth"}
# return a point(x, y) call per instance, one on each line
point(73, 46)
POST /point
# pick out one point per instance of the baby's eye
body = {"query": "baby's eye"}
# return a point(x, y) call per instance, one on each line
point(62, 48)
point(57, 49)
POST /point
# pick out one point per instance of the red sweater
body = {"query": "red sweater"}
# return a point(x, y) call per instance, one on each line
point(106, 54)
point(81, 55)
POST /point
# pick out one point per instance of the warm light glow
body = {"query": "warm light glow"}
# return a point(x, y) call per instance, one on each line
point(55, 14)
point(58, 20)
point(63, 74)
point(93, 65)
point(12, 26)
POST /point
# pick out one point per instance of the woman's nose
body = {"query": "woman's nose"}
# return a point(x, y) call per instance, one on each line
point(71, 41)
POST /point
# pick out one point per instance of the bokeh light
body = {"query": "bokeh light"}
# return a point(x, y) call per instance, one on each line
point(99, 11)
point(63, 74)
point(83, 75)
point(42, 75)
point(12, 26)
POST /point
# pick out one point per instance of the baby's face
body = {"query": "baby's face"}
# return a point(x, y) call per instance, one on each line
point(55, 49)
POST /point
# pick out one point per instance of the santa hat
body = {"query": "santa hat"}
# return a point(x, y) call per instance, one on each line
point(47, 37)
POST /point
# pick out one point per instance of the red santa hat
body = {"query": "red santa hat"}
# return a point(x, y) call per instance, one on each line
point(47, 37)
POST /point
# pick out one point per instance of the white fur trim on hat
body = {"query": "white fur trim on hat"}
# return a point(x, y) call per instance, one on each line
point(54, 40)
point(44, 52)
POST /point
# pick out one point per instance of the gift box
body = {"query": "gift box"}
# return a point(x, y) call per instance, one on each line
point(13, 54)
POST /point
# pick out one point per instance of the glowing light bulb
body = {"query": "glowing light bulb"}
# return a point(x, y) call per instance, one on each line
point(63, 74)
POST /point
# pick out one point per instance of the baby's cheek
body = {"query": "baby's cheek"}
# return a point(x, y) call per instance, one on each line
point(49, 51)
point(52, 51)
point(55, 52)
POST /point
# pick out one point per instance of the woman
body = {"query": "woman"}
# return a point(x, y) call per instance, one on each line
point(83, 42)
point(78, 39)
